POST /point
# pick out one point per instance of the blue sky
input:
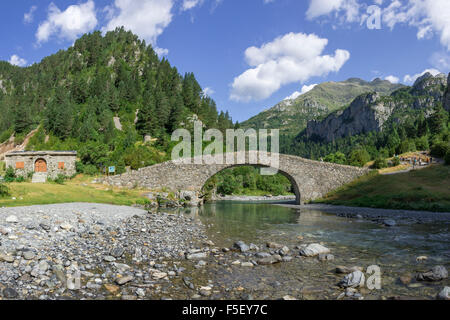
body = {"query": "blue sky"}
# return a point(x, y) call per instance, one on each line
point(249, 54)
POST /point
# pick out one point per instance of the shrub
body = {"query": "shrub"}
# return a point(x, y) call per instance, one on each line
point(439, 149)
point(380, 163)
point(447, 158)
point(359, 157)
point(60, 179)
point(90, 170)
point(395, 161)
point(20, 179)
point(10, 175)
point(4, 190)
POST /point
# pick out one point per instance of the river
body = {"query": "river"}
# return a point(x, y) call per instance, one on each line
point(353, 242)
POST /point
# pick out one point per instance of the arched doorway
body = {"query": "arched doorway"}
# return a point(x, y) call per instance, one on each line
point(40, 165)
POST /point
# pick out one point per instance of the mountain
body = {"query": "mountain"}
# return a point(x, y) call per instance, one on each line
point(108, 97)
point(369, 112)
point(292, 115)
point(373, 125)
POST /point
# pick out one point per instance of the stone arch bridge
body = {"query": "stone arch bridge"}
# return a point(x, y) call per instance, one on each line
point(310, 179)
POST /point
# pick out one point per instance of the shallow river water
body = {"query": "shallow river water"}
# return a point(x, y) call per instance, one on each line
point(353, 242)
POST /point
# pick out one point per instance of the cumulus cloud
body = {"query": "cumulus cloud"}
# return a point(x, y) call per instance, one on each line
point(349, 8)
point(146, 18)
point(304, 90)
point(17, 61)
point(410, 79)
point(28, 17)
point(392, 79)
point(294, 57)
point(428, 16)
point(69, 24)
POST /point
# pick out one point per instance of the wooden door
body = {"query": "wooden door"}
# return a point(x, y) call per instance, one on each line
point(40, 166)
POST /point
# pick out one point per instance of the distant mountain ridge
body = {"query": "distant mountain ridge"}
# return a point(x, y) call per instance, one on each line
point(369, 112)
point(292, 115)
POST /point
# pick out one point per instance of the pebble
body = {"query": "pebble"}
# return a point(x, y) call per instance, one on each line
point(353, 280)
point(122, 280)
point(314, 249)
point(12, 219)
point(444, 294)
point(438, 273)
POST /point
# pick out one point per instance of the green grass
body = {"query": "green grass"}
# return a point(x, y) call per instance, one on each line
point(77, 190)
point(426, 189)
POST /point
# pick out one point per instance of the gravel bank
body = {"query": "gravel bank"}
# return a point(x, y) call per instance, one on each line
point(113, 251)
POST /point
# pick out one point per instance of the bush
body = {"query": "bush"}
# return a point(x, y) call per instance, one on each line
point(60, 179)
point(395, 161)
point(439, 149)
point(90, 170)
point(4, 190)
point(447, 158)
point(380, 163)
point(10, 175)
point(20, 179)
point(359, 157)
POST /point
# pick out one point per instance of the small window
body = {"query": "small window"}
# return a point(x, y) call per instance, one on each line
point(61, 165)
point(20, 165)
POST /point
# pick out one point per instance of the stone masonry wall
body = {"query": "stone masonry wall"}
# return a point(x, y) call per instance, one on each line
point(29, 160)
point(311, 179)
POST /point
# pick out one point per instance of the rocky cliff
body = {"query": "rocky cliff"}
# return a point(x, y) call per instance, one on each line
point(292, 115)
point(369, 112)
point(447, 95)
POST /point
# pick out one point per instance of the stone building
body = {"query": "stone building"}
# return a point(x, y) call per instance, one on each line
point(42, 164)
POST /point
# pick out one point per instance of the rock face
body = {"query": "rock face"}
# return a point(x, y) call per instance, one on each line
point(447, 95)
point(369, 112)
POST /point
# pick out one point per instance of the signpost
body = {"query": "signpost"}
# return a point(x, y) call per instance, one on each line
point(112, 170)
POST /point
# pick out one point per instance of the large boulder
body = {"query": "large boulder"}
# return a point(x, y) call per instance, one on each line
point(444, 294)
point(313, 250)
point(355, 279)
point(438, 273)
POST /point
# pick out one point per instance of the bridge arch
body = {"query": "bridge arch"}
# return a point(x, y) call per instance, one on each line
point(291, 179)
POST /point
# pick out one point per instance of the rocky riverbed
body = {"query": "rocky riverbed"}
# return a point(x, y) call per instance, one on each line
point(92, 251)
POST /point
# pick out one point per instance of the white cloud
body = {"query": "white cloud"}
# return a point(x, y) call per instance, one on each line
point(350, 9)
point(190, 4)
point(392, 79)
point(146, 18)
point(28, 17)
point(208, 91)
point(294, 57)
point(410, 79)
point(69, 24)
point(428, 16)
point(304, 90)
point(268, 1)
point(441, 61)
point(17, 61)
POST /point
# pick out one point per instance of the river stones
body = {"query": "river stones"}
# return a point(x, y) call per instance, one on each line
point(197, 256)
point(12, 219)
point(326, 257)
point(241, 246)
point(444, 294)
point(274, 245)
point(355, 279)
point(9, 293)
point(270, 260)
point(438, 273)
point(389, 223)
point(313, 250)
point(122, 280)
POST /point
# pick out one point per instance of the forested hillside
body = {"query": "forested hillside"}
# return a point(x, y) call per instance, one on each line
point(101, 97)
